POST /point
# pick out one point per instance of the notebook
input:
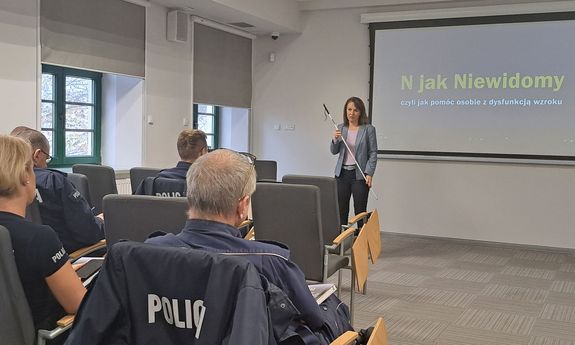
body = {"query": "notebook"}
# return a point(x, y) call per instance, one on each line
point(321, 291)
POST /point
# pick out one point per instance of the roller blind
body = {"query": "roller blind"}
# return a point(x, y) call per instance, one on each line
point(222, 68)
point(102, 35)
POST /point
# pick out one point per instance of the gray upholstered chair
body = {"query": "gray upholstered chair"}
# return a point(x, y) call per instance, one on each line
point(330, 221)
point(138, 174)
point(80, 181)
point(134, 217)
point(16, 324)
point(101, 182)
point(331, 226)
point(291, 214)
point(266, 170)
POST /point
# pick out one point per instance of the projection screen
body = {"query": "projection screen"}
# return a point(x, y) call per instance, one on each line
point(499, 86)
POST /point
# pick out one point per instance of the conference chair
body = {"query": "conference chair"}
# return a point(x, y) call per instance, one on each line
point(161, 186)
point(330, 219)
point(291, 214)
point(138, 174)
point(101, 182)
point(169, 295)
point(134, 217)
point(266, 171)
point(16, 324)
point(80, 181)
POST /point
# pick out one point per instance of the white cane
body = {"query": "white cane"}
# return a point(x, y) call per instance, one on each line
point(326, 114)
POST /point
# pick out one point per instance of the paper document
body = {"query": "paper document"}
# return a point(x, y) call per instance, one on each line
point(321, 291)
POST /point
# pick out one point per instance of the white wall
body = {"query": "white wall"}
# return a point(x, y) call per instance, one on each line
point(168, 91)
point(18, 63)
point(234, 129)
point(122, 121)
point(327, 63)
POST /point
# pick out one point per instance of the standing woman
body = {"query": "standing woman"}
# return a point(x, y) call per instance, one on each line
point(361, 138)
point(50, 284)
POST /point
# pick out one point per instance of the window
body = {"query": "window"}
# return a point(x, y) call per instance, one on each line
point(71, 108)
point(206, 119)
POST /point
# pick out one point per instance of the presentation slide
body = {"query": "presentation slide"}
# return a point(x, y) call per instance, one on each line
point(500, 89)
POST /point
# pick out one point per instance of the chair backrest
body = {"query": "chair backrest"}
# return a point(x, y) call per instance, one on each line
point(33, 212)
point(290, 213)
point(16, 324)
point(138, 174)
point(134, 217)
point(101, 182)
point(330, 222)
point(80, 181)
point(167, 295)
point(266, 170)
point(164, 187)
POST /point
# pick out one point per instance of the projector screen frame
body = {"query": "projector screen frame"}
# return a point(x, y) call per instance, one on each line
point(465, 21)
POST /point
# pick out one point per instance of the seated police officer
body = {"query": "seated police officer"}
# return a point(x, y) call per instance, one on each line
point(192, 143)
point(62, 207)
point(219, 187)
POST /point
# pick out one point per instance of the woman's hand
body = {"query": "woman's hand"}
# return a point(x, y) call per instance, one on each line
point(337, 135)
point(368, 180)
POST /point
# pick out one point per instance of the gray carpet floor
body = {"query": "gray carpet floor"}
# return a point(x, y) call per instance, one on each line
point(437, 291)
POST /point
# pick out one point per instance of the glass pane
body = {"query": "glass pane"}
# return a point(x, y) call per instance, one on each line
point(79, 90)
point(210, 140)
point(78, 144)
point(206, 123)
point(49, 135)
point(79, 116)
point(47, 118)
point(204, 108)
point(48, 87)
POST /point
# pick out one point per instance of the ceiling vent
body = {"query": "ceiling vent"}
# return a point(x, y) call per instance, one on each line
point(242, 25)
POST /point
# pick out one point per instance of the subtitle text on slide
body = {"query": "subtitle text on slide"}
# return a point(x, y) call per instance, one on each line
point(477, 102)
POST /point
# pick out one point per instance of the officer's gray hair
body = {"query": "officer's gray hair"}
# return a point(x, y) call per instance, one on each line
point(218, 180)
point(36, 138)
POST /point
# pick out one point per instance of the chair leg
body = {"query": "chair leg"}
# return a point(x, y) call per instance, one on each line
point(351, 293)
point(338, 283)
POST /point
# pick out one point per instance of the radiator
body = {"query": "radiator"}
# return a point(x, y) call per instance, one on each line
point(124, 186)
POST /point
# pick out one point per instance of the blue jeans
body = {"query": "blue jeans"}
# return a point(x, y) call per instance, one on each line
point(347, 185)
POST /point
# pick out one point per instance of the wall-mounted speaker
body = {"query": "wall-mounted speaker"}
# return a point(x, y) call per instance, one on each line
point(177, 22)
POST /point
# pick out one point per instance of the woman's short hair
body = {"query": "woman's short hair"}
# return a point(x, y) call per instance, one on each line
point(218, 180)
point(16, 158)
point(190, 144)
point(363, 120)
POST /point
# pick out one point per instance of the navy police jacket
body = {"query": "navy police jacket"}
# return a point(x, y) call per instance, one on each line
point(177, 172)
point(156, 295)
point(66, 211)
point(272, 261)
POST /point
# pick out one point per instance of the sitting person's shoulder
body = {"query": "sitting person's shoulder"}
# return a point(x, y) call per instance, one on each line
point(50, 172)
point(275, 248)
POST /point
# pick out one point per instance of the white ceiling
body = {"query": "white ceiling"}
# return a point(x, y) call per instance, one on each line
point(233, 11)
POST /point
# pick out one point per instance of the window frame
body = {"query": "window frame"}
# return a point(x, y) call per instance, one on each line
point(59, 120)
point(216, 115)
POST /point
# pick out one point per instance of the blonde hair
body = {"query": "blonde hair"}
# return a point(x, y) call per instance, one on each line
point(16, 158)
